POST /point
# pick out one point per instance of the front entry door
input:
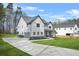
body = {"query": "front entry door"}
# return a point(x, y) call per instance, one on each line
point(50, 34)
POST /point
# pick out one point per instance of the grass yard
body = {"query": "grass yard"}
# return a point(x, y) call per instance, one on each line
point(7, 35)
point(8, 50)
point(66, 42)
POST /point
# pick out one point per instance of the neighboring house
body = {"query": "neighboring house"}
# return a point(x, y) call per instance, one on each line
point(67, 28)
point(34, 27)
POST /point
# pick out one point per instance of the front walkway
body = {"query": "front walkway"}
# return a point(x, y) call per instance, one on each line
point(38, 49)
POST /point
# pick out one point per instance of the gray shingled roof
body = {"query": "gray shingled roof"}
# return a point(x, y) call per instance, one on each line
point(78, 25)
point(29, 19)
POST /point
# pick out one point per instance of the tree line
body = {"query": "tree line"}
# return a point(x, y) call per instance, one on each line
point(2, 14)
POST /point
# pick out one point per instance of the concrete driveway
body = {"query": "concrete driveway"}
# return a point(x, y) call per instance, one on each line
point(38, 49)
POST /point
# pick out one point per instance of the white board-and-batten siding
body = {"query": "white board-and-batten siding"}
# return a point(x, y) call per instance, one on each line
point(36, 29)
point(21, 27)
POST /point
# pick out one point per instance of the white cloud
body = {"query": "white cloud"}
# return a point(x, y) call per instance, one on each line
point(41, 10)
point(29, 8)
point(62, 18)
point(31, 15)
point(57, 18)
point(73, 12)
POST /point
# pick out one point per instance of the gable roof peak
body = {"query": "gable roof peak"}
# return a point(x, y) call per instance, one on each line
point(38, 15)
point(50, 22)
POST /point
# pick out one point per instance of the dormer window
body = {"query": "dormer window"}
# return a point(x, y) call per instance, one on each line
point(50, 27)
point(38, 25)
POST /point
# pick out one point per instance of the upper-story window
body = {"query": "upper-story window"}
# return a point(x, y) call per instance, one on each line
point(38, 25)
point(50, 27)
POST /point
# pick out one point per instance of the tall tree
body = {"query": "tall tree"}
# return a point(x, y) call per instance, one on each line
point(1, 16)
point(1, 11)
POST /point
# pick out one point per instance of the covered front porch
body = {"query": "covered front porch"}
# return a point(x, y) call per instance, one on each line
point(50, 33)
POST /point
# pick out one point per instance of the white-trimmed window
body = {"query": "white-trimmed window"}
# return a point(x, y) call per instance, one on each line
point(38, 25)
point(50, 27)
point(41, 33)
point(70, 28)
point(34, 33)
point(37, 33)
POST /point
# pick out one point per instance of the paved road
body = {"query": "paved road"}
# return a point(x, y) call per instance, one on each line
point(38, 49)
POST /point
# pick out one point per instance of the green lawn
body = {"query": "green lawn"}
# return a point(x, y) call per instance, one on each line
point(7, 35)
point(66, 42)
point(8, 50)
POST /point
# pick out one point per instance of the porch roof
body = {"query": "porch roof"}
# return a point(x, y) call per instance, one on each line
point(51, 31)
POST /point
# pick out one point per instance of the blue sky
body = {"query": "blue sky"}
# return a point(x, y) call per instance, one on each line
point(50, 11)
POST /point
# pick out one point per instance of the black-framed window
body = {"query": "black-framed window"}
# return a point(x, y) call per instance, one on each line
point(38, 25)
point(33, 33)
point(41, 33)
point(50, 27)
point(37, 33)
point(75, 28)
point(70, 28)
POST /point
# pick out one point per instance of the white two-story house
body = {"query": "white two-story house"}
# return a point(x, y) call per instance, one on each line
point(34, 27)
point(67, 28)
